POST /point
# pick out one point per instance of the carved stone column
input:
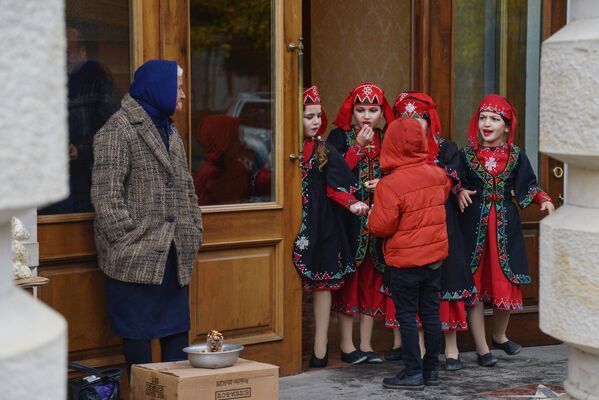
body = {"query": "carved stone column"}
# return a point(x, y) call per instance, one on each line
point(569, 131)
point(33, 172)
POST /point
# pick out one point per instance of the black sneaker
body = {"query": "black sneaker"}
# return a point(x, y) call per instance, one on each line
point(510, 348)
point(393, 355)
point(373, 358)
point(453, 364)
point(431, 378)
point(405, 382)
point(355, 357)
point(486, 360)
point(316, 362)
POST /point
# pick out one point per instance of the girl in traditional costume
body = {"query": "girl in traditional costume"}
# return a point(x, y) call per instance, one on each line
point(323, 253)
point(360, 145)
point(457, 284)
point(492, 168)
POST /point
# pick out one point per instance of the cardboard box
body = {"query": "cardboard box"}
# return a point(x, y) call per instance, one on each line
point(179, 380)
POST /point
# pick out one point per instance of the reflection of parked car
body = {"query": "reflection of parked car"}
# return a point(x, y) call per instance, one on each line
point(255, 129)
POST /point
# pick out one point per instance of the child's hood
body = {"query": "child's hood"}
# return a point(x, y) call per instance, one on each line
point(404, 144)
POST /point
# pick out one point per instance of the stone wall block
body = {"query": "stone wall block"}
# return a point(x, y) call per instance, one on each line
point(33, 113)
point(569, 121)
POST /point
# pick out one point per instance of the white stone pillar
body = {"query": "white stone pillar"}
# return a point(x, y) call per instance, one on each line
point(33, 172)
point(569, 131)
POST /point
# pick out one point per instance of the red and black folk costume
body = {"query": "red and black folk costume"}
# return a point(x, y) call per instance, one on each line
point(323, 254)
point(493, 239)
point(457, 285)
point(361, 291)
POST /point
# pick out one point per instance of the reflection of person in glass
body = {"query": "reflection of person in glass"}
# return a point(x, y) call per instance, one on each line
point(148, 226)
point(90, 102)
point(226, 172)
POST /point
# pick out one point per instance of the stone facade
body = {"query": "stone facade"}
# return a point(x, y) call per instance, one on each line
point(33, 172)
point(569, 243)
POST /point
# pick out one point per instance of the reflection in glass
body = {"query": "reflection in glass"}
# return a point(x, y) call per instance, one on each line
point(496, 50)
point(476, 60)
point(232, 97)
point(98, 68)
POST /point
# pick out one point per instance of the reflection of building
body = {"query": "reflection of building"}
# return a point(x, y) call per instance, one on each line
point(245, 284)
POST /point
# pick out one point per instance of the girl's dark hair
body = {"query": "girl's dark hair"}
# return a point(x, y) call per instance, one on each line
point(508, 122)
point(321, 154)
point(427, 118)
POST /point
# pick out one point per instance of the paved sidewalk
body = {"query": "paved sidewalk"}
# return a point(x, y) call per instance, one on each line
point(535, 373)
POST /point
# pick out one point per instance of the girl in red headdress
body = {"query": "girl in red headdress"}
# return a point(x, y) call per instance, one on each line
point(457, 284)
point(323, 254)
point(492, 168)
point(360, 144)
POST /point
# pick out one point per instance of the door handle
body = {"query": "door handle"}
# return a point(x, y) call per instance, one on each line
point(300, 96)
point(558, 172)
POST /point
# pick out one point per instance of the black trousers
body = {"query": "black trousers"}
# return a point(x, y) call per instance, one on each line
point(139, 351)
point(416, 290)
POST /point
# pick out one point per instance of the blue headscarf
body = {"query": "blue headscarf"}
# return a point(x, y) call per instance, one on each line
point(154, 87)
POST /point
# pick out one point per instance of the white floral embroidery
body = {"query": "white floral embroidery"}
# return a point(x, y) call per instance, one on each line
point(410, 107)
point(302, 242)
point(491, 163)
point(367, 90)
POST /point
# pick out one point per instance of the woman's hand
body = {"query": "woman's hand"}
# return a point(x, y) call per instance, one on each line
point(464, 198)
point(371, 185)
point(365, 136)
point(359, 209)
point(547, 206)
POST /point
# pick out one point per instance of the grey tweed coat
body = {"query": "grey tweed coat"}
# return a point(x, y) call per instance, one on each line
point(144, 199)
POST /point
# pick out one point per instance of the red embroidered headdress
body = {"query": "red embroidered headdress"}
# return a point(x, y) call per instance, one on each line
point(421, 105)
point(363, 94)
point(311, 98)
point(498, 105)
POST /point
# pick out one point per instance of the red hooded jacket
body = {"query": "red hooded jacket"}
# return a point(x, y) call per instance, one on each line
point(409, 201)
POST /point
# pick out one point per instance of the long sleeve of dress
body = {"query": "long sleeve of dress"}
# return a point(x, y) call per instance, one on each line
point(525, 184)
point(451, 162)
point(344, 199)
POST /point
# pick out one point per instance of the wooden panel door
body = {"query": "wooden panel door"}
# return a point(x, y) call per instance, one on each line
point(245, 284)
point(439, 66)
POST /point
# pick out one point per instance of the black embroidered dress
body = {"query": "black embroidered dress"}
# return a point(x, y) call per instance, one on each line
point(493, 240)
point(323, 254)
point(361, 293)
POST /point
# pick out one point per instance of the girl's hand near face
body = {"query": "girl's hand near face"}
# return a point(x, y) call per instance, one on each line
point(465, 198)
point(548, 206)
point(359, 208)
point(365, 136)
point(371, 185)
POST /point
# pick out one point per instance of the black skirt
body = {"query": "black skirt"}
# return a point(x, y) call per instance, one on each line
point(141, 311)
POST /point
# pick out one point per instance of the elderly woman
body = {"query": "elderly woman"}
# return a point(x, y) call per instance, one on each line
point(148, 226)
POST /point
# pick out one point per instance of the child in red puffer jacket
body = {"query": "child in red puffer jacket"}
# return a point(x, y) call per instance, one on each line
point(409, 212)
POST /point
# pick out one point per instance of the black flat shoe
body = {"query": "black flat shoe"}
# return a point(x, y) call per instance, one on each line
point(393, 355)
point(316, 362)
point(431, 378)
point(453, 364)
point(510, 348)
point(373, 358)
point(486, 360)
point(355, 357)
point(405, 382)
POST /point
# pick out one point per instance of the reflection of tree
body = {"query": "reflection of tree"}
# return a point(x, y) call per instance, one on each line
point(239, 31)
point(469, 52)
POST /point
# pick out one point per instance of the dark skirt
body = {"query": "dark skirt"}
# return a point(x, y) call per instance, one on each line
point(141, 311)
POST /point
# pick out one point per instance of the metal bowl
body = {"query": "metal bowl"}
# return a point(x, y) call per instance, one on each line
point(200, 357)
